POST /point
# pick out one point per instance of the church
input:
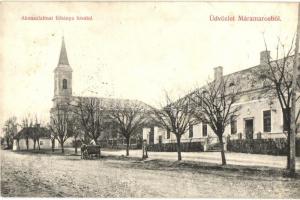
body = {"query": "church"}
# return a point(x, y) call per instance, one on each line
point(63, 97)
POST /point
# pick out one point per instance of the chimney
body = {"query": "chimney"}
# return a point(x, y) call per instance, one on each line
point(218, 72)
point(264, 56)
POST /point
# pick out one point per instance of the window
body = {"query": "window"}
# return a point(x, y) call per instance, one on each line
point(233, 124)
point(41, 143)
point(267, 120)
point(151, 135)
point(286, 123)
point(168, 133)
point(204, 130)
point(65, 84)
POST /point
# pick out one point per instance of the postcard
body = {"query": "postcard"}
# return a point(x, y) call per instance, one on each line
point(149, 99)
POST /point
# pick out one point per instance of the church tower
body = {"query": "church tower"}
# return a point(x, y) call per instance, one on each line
point(62, 78)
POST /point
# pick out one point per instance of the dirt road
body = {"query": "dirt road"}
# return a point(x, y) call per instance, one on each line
point(43, 175)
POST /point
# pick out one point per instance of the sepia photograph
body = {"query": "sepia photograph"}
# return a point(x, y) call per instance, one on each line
point(150, 99)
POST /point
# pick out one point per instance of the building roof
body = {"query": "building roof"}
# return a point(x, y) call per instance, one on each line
point(63, 57)
point(246, 80)
point(111, 103)
point(30, 131)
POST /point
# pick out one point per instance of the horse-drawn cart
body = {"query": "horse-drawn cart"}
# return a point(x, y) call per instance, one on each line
point(88, 151)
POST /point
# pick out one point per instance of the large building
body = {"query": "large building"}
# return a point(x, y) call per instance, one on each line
point(260, 116)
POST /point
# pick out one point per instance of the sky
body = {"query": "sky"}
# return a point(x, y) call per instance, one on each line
point(132, 50)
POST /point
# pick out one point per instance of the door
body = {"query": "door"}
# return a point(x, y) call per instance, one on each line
point(249, 128)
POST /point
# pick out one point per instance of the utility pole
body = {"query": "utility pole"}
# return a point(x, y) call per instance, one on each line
point(292, 168)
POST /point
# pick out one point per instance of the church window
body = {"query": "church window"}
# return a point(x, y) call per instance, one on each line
point(65, 84)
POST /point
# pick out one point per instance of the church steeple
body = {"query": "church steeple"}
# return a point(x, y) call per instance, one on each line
point(63, 57)
point(63, 77)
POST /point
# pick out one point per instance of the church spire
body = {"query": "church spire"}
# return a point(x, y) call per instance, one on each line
point(63, 58)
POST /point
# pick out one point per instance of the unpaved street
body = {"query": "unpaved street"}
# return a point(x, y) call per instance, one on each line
point(44, 175)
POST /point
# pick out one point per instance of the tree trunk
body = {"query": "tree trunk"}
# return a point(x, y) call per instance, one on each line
point(96, 141)
point(288, 150)
point(222, 151)
point(38, 141)
point(75, 148)
point(34, 143)
point(8, 143)
point(62, 147)
point(27, 144)
point(178, 137)
point(18, 144)
point(127, 146)
point(52, 144)
point(287, 117)
point(292, 150)
point(75, 145)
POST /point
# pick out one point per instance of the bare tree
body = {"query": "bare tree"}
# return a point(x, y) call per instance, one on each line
point(129, 119)
point(75, 130)
point(91, 115)
point(175, 116)
point(52, 137)
point(296, 75)
point(36, 133)
point(214, 105)
point(60, 120)
point(25, 124)
point(277, 76)
point(10, 129)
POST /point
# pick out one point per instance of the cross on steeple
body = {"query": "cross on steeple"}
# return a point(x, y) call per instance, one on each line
point(63, 58)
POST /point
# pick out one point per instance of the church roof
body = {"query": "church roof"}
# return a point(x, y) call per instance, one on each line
point(111, 103)
point(63, 58)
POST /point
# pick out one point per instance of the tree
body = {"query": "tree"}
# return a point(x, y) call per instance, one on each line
point(129, 119)
point(214, 105)
point(36, 133)
point(25, 124)
point(52, 137)
point(60, 120)
point(2, 140)
point(91, 115)
point(31, 129)
point(75, 130)
point(10, 128)
point(175, 116)
point(294, 116)
point(277, 76)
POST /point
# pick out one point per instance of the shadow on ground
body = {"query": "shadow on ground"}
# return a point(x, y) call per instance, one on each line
point(159, 164)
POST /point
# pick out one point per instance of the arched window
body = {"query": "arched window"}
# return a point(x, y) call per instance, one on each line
point(65, 84)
